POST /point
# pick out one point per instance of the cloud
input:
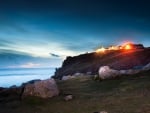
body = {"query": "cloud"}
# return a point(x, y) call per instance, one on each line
point(38, 34)
point(35, 45)
point(27, 65)
point(20, 60)
point(54, 55)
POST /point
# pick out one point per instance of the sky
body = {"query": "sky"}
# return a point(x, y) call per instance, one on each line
point(41, 33)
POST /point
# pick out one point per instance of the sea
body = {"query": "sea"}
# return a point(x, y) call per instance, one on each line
point(17, 76)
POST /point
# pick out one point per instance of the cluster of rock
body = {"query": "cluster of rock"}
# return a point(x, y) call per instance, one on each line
point(39, 88)
point(105, 72)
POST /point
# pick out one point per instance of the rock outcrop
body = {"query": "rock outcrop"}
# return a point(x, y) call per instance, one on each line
point(44, 89)
point(117, 60)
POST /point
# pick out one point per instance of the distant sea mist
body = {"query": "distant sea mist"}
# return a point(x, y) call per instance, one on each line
point(17, 76)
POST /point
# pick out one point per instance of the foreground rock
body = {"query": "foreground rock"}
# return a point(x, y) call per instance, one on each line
point(10, 94)
point(44, 89)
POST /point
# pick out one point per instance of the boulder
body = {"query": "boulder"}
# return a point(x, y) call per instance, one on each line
point(105, 72)
point(123, 72)
point(132, 71)
point(67, 77)
point(78, 74)
point(88, 73)
point(44, 89)
point(68, 97)
point(30, 82)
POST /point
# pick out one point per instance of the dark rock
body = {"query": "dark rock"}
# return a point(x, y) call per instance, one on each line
point(13, 86)
point(1, 88)
point(8, 94)
point(30, 82)
point(137, 46)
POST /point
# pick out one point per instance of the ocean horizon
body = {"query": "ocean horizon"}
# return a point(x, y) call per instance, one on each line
point(17, 76)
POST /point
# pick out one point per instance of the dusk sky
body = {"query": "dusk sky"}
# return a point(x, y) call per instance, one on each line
point(41, 33)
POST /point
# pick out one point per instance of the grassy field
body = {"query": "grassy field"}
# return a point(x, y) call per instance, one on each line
point(128, 94)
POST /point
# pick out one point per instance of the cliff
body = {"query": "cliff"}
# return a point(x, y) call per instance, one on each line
point(116, 59)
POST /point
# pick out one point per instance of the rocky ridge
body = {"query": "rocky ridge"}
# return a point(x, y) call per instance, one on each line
point(116, 59)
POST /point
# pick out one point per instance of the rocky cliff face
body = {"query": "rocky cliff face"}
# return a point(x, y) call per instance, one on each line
point(116, 59)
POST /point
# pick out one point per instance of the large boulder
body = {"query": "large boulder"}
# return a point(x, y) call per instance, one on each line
point(44, 89)
point(105, 72)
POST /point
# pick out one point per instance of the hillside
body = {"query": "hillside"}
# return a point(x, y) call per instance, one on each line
point(123, 94)
point(116, 59)
point(128, 94)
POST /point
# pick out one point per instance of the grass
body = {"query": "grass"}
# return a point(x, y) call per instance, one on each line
point(128, 94)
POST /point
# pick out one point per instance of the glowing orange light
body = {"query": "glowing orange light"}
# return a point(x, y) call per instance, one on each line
point(113, 48)
point(128, 46)
point(100, 50)
point(125, 46)
point(120, 47)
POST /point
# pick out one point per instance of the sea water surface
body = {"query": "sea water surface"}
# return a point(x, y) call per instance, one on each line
point(17, 76)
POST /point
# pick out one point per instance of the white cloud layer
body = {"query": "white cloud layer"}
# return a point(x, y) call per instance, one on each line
point(26, 65)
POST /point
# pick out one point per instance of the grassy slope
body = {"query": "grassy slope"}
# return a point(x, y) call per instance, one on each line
point(129, 94)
